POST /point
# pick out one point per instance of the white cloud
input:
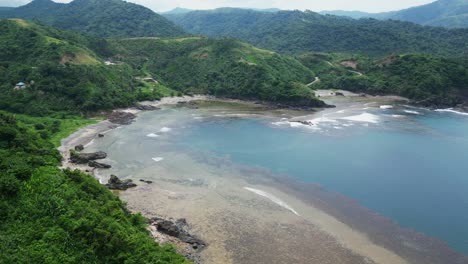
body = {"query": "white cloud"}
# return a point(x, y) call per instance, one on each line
point(315, 5)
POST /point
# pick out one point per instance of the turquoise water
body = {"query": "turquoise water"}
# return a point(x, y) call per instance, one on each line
point(410, 168)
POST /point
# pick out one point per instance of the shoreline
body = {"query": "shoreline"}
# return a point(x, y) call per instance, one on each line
point(335, 222)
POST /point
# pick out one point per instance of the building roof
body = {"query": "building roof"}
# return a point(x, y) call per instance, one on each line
point(21, 84)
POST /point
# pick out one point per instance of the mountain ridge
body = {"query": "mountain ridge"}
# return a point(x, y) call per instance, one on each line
point(104, 18)
point(443, 13)
point(296, 32)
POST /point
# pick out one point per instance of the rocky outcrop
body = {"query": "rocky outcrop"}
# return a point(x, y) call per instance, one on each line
point(304, 122)
point(115, 183)
point(101, 135)
point(178, 229)
point(98, 165)
point(79, 147)
point(83, 158)
point(339, 94)
point(121, 118)
point(146, 107)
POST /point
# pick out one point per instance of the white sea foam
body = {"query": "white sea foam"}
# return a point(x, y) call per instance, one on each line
point(323, 120)
point(386, 106)
point(398, 116)
point(364, 117)
point(272, 198)
point(165, 129)
point(152, 135)
point(158, 159)
point(450, 110)
point(412, 112)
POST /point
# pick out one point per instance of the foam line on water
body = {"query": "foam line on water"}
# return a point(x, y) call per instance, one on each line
point(165, 129)
point(158, 159)
point(450, 110)
point(272, 198)
point(364, 117)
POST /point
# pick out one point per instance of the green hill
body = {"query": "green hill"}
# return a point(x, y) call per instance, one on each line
point(296, 32)
point(62, 71)
point(443, 13)
point(427, 80)
point(103, 18)
point(226, 67)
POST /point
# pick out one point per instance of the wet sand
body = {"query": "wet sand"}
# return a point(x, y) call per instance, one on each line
point(247, 215)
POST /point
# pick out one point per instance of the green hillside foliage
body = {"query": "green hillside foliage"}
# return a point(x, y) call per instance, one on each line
point(296, 32)
point(103, 18)
point(445, 13)
point(61, 72)
point(442, 13)
point(53, 216)
point(427, 80)
point(225, 67)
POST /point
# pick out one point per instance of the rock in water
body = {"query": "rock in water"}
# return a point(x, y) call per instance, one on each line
point(148, 182)
point(178, 230)
point(115, 183)
point(79, 147)
point(95, 164)
point(101, 135)
point(83, 158)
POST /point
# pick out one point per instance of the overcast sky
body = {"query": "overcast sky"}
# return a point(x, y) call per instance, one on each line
point(315, 5)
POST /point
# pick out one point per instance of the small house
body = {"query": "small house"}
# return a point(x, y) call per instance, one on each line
point(20, 86)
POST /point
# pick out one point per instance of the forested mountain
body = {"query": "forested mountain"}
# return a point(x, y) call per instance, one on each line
point(426, 79)
point(103, 18)
point(62, 71)
point(444, 13)
point(226, 67)
point(296, 32)
point(65, 71)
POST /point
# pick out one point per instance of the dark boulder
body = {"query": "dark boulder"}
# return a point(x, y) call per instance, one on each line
point(79, 147)
point(121, 118)
point(178, 229)
point(98, 165)
point(148, 182)
point(115, 183)
point(146, 107)
point(339, 94)
point(83, 158)
point(101, 135)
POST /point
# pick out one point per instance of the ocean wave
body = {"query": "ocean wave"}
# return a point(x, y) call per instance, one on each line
point(364, 117)
point(323, 120)
point(412, 112)
point(165, 130)
point(152, 135)
point(158, 159)
point(450, 110)
point(386, 106)
point(272, 198)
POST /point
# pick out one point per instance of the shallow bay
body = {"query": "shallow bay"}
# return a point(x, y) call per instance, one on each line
point(404, 163)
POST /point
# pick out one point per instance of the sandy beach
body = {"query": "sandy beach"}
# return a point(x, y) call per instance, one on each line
point(247, 215)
